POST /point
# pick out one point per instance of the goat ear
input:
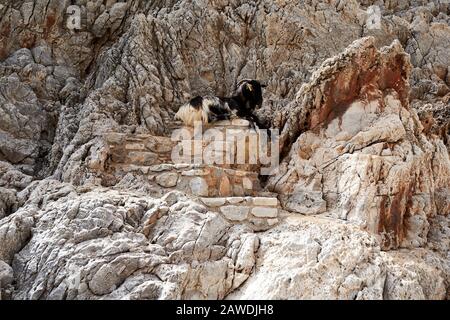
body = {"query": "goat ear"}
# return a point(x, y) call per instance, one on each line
point(262, 83)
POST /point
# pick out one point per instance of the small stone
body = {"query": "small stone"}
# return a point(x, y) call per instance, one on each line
point(135, 146)
point(264, 201)
point(213, 202)
point(179, 166)
point(199, 187)
point(265, 212)
point(142, 158)
point(238, 190)
point(161, 167)
point(235, 200)
point(130, 168)
point(235, 213)
point(167, 180)
point(259, 224)
point(272, 222)
point(240, 122)
point(195, 172)
point(144, 170)
point(42, 55)
point(172, 197)
point(21, 57)
point(247, 183)
point(225, 187)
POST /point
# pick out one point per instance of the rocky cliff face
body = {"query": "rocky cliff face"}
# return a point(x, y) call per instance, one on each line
point(93, 207)
point(363, 156)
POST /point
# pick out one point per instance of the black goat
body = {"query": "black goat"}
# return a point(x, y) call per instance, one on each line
point(248, 97)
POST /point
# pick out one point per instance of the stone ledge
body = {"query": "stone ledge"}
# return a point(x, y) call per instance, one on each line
point(229, 152)
point(151, 156)
point(214, 202)
point(199, 180)
point(243, 210)
point(262, 212)
point(265, 201)
point(233, 122)
point(235, 213)
point(270, 202)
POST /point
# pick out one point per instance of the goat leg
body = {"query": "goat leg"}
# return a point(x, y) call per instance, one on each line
point(256, 123)
point(218, 117)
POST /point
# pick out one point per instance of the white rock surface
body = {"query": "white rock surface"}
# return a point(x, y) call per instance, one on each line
point(235, 213)
point(265, 201)
point(261, 212)
point(362, 155)
point(354, 151)
point(313, 258)
point(167, 180)
point(199, 187)
point(108, 244)
point(6, 280)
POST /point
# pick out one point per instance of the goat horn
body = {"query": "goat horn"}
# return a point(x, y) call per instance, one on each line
point(242, 81)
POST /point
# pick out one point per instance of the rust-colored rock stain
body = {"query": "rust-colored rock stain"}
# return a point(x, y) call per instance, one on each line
point(395, 211)
point(360, 83)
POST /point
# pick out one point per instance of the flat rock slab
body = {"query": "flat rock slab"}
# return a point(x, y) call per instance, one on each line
point(235, 213)
point(262, 212)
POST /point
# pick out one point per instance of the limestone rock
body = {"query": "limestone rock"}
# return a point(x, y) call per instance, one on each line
point(15, 231)
point(167, 180)
point(322, 260)
point(261, 212)
point(101, 232)
point(265, 201)
point(235, 213)
point(199, 187)
point(357, 150)
point(225, 187)
point(307, 202)
point(214, 202)
point(93, 207)
point(8, 202)
point(6, 280)
point(409, 277)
